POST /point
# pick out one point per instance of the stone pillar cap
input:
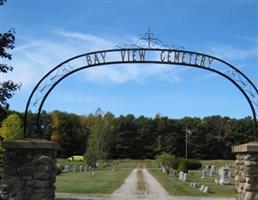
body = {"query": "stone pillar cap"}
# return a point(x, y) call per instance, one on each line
point(248, 147)
point(30, 144)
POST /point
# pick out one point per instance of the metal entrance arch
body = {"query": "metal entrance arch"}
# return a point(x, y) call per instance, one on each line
point(148, 50)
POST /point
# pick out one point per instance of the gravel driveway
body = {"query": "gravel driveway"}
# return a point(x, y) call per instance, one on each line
point(129, 191)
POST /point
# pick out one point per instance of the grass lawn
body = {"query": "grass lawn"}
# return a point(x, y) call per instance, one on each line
point(105, 181)
point(179, 188)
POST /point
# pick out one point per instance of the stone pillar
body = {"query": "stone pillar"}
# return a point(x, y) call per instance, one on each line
point(29, 170)
point(246, 174)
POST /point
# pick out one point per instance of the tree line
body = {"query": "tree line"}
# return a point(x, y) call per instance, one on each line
point(104, 136)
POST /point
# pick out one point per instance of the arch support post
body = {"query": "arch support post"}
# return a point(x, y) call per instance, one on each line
point(246, 173)
point(29, 170)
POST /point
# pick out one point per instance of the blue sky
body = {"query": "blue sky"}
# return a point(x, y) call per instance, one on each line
point(49, 32)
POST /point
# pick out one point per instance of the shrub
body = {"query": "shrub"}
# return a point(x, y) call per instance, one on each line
point(166, 160)
point(59, 169)
point(191, 164)
point(175, 163)
point(194, 164)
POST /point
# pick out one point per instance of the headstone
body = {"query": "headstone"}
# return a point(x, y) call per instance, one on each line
point(172, 172)
point(220, 170)
point(160, 166)
point(163, 169)
point(206, 189)
point(181, 174)
point(216, 181)
point(202, 187)
point(224, 176)
point(194, 185)
point(208, 169)
point(184, 177)
point(81, 169)
point(66, 168)
point(213, 170)
point(204, 173)
point(74, 169)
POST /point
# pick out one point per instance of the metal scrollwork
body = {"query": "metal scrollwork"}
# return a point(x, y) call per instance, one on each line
point(150, 41)
point(147, 44)
point(48, 83)
point(244, 84)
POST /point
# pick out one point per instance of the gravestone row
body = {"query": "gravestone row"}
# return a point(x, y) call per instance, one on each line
point(68, 168)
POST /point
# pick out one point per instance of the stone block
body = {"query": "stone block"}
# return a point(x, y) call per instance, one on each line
point(249, 147)
point(251, 196)
point(31, 144)
point(250, 163)
point(41, 176)
point(41, 184)
point(246, 178)
point(251, 186)
point(26, 177)
point(29, 171)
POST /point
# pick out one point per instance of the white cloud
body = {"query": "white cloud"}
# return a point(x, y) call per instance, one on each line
point(230, 53)
point(138, 73)
point(35, 58)
point(239, 56)
point(85, 37)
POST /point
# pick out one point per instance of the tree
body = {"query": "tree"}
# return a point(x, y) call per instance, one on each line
point(55, 135)
point(7, 88)
point(126, 138)
point(11, 128)
point(2, 2)
point(67, 130)
point(101, 138)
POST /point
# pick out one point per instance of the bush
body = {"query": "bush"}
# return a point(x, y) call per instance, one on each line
point(60, 169)
point(175, 163)
point(166, 160)
point(191, 164)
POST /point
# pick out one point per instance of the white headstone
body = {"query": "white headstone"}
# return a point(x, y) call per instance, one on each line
point(220, 170)
point(163, 169)
point(181, 174)
point(216, 181)
point(202, 187)
point(66, 168)
point(194, 185)
point(213, 170)
point(184, 177)
point(206, 189)
point(74, 168)
point(224, 176)
point(204, 173)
